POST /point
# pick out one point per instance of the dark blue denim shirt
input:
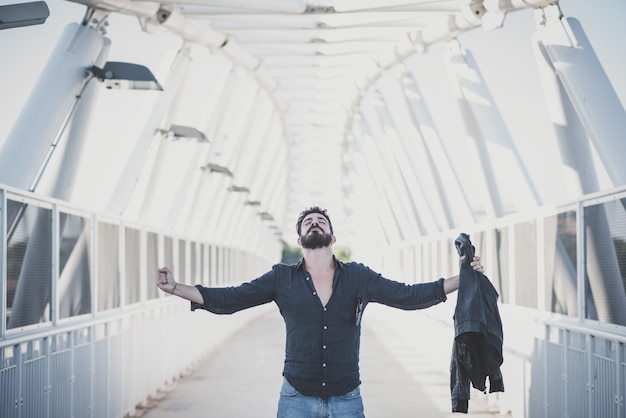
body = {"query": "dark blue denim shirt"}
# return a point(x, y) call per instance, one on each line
point(322, 347)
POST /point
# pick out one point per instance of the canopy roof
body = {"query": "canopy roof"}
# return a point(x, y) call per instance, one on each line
point(315, 63)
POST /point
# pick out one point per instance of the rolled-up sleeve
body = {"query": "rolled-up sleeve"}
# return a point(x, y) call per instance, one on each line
point(228, 300)
point(406, 296)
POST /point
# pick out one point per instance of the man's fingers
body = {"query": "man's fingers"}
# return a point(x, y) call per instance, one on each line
point(162, 276)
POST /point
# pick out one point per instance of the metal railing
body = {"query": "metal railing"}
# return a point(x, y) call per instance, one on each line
point(562, 293)
point(93, 336)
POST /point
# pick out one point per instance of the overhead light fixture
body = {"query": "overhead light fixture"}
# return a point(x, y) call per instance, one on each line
point(114, 75)
point(216, 168)
point(252, 203)
point(23, 14)
point(181, 132)
point(238, 189)
point(124, 75)
point(266, 216)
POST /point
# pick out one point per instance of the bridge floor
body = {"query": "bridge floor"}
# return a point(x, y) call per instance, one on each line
point(242, 378)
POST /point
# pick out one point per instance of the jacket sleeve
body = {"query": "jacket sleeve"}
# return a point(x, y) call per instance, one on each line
point(459, 383)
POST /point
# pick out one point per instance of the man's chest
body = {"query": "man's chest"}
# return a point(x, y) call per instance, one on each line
point(323, 285)
point(307, 300)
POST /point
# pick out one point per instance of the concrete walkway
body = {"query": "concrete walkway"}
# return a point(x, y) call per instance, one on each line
point(242, 378)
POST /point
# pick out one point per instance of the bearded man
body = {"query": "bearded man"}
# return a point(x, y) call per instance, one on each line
point(321, 300)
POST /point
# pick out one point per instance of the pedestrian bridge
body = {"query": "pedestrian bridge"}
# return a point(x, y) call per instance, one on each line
point(136, 134)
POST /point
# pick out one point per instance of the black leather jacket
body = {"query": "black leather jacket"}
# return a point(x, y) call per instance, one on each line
point(477, 347)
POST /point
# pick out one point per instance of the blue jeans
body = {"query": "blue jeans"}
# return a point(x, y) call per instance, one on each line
point(293, 404)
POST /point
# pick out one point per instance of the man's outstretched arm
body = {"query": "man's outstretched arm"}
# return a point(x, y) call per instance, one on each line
point(166, 283)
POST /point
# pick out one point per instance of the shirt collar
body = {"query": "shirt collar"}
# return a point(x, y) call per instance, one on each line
point(338, 264)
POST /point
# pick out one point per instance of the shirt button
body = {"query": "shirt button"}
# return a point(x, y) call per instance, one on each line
point(323, 364)
point(314, 293)
point(325, 327)
point(324, 346)
point(324, 309)
point(323, 383)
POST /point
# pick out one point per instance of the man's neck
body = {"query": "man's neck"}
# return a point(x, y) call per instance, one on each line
point(318, 258)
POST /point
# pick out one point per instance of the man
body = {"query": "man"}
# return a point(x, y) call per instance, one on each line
point(321, 300)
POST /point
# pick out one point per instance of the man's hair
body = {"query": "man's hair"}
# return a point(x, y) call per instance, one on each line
point(313, 209)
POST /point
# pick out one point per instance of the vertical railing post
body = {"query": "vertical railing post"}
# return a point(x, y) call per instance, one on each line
point(54, 258)
point(19, 399)
point(92, 368)
point(47, 376)
point(620, 373)
point(3, 262)
point(546, 344)
point(581, 263)
point(591, 384)
point(70, 342)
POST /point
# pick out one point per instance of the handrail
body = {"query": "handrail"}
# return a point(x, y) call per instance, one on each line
point(84, 321)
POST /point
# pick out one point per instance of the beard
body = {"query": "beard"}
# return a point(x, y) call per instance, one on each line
point(315, 240)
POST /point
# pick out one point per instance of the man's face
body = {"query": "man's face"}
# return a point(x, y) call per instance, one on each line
point(315, 232)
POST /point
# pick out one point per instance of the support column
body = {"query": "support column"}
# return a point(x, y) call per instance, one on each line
point(139, 157)
point(443, 172)
point(511, 189)
point(573, 61)
point(571, 76)
point(402, 143)
point(152, 208)
point(50, 103)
